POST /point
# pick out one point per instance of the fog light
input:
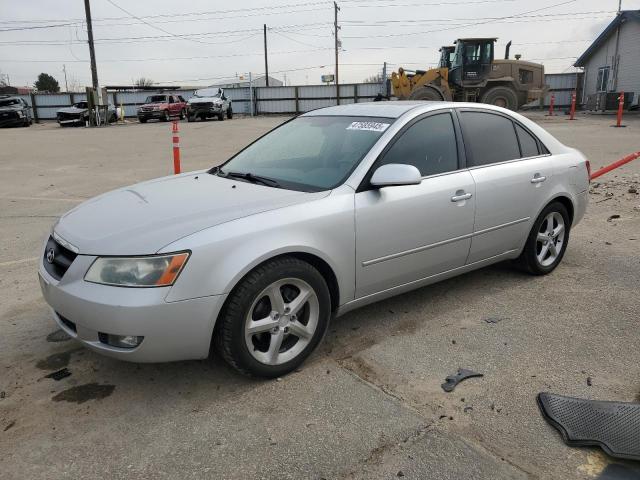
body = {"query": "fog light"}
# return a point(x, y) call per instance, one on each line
point(121, 341)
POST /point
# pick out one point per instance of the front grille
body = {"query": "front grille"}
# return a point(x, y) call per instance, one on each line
point(57, 259)
point(147, 109)
point(69, 116)
point(202, 105)
point(8, 115)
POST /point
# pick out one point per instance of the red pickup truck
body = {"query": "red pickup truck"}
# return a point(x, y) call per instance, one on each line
point(162, 107)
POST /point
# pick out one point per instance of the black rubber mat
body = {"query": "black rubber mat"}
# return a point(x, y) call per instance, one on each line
point(613, 426)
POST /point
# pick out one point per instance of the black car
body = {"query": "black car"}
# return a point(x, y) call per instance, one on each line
point(14, 111)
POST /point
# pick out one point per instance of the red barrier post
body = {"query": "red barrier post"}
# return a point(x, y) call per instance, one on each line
point(551, 104)
point(617, 164)
point(572, 113)
point(620, 108)
point(176, 147)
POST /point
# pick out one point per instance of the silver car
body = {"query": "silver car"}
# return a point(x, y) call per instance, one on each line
point(333, 210)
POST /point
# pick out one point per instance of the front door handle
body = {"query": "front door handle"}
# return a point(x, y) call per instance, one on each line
point(537, 178)
point(459, 198)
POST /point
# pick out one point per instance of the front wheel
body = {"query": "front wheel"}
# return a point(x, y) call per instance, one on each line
point(274, 318)
point(503, 97)
point(229, 113)
point(547, 240)
point(221, 116)
point(166, 116)
point(182, 114)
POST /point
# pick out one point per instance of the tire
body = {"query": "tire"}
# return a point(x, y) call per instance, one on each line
point(229, 113)
point(503, 97)
point(113, 118)
point(182, 114)
point(532, 259)
point(221, 116)
point(142, 120)
point(167, 116)
point(191, 118)
point(426, 93)
point(254, 354)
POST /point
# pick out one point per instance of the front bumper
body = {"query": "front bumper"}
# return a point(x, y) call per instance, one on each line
point(196, 110)
point(10, 120)
point(172, 331)
point(151, 114)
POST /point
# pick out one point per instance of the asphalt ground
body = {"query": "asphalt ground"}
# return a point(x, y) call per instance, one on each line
point(368, 404)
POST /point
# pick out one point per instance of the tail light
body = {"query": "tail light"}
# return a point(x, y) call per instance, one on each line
point(588, 164)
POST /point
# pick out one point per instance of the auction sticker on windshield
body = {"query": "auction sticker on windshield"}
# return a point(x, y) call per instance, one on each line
point(369, 126)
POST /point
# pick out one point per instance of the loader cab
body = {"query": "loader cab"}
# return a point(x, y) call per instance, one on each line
point(447, 55)
point(472, 61)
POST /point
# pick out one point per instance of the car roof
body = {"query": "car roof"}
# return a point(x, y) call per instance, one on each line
point(390, 109)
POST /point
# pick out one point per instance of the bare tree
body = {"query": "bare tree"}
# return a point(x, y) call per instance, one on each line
point(143, 82)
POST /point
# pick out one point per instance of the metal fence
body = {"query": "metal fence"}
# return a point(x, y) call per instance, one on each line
point(266, 100)
point(562, 85)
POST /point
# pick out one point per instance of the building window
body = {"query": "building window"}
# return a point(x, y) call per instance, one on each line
point(603, 79)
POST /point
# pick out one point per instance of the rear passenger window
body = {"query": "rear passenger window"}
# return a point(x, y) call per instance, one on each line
point(429, 145)
point(488, 138)
point(528, 144)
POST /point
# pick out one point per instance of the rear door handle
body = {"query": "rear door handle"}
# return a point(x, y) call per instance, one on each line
point(459, 198)
point(537, 178)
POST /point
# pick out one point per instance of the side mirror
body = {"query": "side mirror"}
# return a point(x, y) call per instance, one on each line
point(395, 174)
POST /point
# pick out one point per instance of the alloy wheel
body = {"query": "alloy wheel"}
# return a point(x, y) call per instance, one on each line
point(281, 321)
point(550, 239)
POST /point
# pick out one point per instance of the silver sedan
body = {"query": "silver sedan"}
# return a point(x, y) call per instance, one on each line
point(333, 210)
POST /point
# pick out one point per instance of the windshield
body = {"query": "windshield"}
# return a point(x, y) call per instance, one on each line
point(207, 92)
point(156, 99)
point(81, 105)
point(11, 101)
point(310, 153)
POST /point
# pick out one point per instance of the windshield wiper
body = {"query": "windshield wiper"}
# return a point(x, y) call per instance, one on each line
point(250, 177)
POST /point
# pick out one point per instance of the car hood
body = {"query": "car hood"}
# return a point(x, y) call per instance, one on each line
point(159, 105)
point(11, 108)
point(205, 100)
point(72, 110)
point(143, 218)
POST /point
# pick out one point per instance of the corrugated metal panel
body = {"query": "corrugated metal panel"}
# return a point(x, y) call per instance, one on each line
point(45, 100)
point(317, 91)
point(561, 80)
point(563, 98)
point(276, 106)
point(369, 89)
point(307, 105)
point(347, 91)
point(276, 92)
point(47, 112)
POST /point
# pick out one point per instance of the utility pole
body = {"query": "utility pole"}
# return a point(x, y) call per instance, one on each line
point(92, 52)
point(266, 62)
point(66, 86)
point(616, 54)
point(336, 9)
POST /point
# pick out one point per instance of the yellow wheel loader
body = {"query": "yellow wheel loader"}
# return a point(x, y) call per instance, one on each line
point(468, 72)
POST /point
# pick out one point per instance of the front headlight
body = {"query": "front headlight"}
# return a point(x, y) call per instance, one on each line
point(20, 114)
point(151, 271)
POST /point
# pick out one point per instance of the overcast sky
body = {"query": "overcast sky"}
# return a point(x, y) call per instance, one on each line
point(300, 36)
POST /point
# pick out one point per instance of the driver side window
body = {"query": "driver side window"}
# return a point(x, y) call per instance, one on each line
point(429, 145)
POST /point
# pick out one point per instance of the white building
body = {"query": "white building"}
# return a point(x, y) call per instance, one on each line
point(244, 82)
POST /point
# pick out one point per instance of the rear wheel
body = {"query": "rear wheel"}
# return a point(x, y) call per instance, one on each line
point(547, 240)
point(503, 97)
point(426, 93)
point(182, 114)
point(274, 318)
point(142, 120)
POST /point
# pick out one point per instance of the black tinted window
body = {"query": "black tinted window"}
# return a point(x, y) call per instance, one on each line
point(429, 145)
point(488, 138)
point(528, 144)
